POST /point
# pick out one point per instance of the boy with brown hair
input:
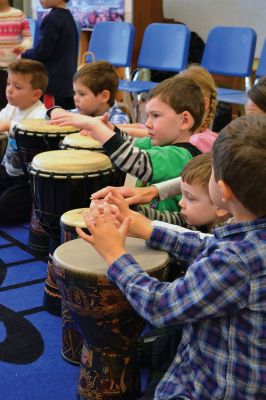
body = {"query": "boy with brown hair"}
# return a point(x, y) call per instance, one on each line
point(175, 108)
point(95, 87)
point(221, 299)
point(26, 83)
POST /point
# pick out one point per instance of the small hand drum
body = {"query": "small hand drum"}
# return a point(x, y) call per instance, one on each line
point(72, 340)
point(80, 142)
point(34, 136)
point(61, 181)
point(77, 141)
point(64, 180)
point(109, 325)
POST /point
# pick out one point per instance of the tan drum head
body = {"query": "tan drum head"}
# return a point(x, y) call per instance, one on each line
point(74, 218)
point(80, 257)
point(42, 126)
point(79, 141)
point(71, 161)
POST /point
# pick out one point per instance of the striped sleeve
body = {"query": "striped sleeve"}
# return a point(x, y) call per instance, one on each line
point(127, 157)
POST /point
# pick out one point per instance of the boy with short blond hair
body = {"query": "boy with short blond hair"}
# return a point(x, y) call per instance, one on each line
point(221, 300)
point(27, 81)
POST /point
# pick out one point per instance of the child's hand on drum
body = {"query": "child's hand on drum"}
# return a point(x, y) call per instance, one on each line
point(105, 237)
point(136, 195)
point(99, 204)
point(94, 125)
point(139, 226)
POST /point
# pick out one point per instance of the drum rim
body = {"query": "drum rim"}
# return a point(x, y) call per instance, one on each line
point(20, 131)
point(69, 271)
point(69, 175)
point(75, 273)
point(68, 146)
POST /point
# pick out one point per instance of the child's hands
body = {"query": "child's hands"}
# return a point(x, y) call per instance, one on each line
point(18, 50)
point(139, 225)
point(5, 126)
point(57, 111)
point(93, 125)
point(106, 238)
point(136, 195)
point(69, 118)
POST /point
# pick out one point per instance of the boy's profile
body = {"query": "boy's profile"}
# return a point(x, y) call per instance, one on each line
point(221, 299)
point(95, 87)
point(26, 83)
point(175, 108)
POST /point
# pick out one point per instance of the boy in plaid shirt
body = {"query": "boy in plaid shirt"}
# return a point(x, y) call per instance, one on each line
point(221, 299)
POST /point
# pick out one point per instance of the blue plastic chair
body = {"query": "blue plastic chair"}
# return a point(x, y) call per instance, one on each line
point(164, 47)
point(239, 96)
point(261, 70)
point(112, 42)
point(229, 51)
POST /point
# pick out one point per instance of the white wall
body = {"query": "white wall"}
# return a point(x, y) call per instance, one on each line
point(201, 15)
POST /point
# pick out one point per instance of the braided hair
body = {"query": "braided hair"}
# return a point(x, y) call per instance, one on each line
point(206, 82)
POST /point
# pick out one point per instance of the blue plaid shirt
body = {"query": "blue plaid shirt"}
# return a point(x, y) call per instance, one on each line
point(222, 302)
point(115, 114)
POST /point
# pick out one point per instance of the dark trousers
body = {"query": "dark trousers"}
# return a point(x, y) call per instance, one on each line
point(3, 83)
point(15, 198)
point(65, 102)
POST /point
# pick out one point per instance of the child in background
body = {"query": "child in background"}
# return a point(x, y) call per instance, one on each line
point(57, 49)
point(175, 108)
point(15, 37)
point(256, 104)
point(95, 87)
point(26, 83)
point(204, 137)
point(221, 299)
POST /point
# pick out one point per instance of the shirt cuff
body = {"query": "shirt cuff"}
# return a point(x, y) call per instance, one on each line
point(121, 271)
point(112, 144)
point(48, 112)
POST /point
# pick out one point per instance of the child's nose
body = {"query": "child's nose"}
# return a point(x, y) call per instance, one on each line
point(182, 203)
point(148, 123)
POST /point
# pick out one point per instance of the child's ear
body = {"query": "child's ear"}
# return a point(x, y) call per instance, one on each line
point(37, 94)
point(220, 213)
point(105, 96)
point(187, 120)
point(226, 191)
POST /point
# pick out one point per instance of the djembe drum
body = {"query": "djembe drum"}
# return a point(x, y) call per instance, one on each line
point(72, 340)
point(34, 136)
point(109, 325)
point(80, 142)
point(77, 141)
point(61, 181)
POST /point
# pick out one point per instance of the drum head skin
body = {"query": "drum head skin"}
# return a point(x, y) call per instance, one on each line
point(78, 256)
point(76, 140)
point(71, 161)
point(74, 218)
point(42, 126)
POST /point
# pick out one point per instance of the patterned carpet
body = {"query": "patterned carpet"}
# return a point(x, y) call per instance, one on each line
point(31, 366)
